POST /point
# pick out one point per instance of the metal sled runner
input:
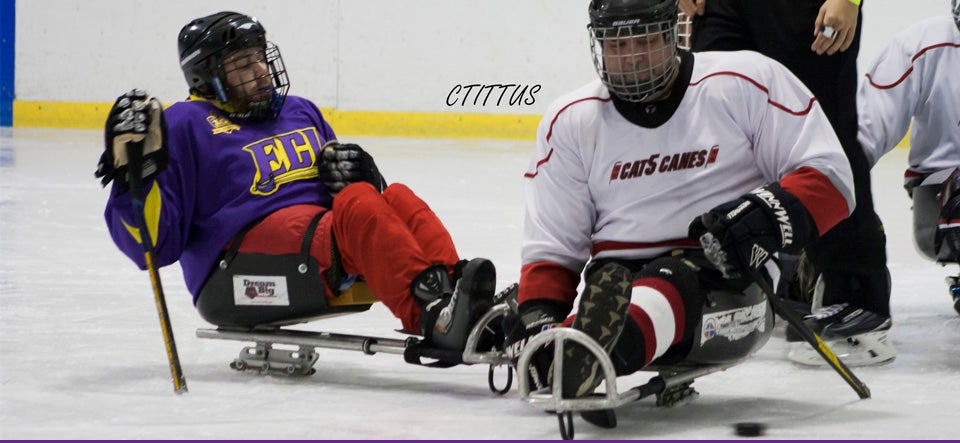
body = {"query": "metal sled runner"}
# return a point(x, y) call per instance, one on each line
point(265, 358)
point(670, 387)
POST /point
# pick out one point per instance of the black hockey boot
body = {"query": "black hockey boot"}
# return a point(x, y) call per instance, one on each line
point(850, 321)
point(837, 319)
point(859, 336)
point(954, 283)
point(457, 272)
point(841, 321)
point(956, 302)
point(449, 312)
point(602, 314)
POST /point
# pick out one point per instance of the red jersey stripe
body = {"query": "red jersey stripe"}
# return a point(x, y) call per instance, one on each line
point(762, 88)
point(823, 201)
point(910, 69)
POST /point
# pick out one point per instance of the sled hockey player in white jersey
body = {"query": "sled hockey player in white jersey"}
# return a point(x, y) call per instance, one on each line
point(915, 78)
point(634, 170)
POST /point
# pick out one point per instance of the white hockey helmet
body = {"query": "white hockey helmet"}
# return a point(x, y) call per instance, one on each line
point(634, 46)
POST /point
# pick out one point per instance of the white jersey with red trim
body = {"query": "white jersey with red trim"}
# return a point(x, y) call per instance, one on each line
point(915, 76)
point(602, 186)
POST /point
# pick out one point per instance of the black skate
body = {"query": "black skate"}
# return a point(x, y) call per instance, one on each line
point(602, 314)
point(449, 314)
point(841, 321)
point(954, 283)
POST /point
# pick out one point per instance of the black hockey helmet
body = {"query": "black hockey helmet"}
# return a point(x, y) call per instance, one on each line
point(205, 42)
point(634, 72)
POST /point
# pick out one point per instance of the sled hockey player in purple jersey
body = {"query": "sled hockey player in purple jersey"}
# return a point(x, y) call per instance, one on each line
point(270, 217)
point(636, 172)
point(913, 80)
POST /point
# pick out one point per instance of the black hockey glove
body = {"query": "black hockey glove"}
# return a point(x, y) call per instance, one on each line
point(745, 232)
point(136, 117)
point(534, 317)
point(344, 164)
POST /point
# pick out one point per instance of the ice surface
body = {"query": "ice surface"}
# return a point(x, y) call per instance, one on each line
point(82, 357)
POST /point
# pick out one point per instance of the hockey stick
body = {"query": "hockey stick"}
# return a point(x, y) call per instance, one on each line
point(134, 168)
point(716, 255)
point(806, 333)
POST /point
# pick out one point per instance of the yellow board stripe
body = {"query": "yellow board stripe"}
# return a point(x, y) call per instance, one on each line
point(433, 124)
point(357, 123)
point(60, 114)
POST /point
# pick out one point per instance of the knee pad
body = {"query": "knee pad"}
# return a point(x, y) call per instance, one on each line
point(948, 226)
point(629, 354)
point(912, 179)
point(926, 208)
point(936, 216)
point(682, 275)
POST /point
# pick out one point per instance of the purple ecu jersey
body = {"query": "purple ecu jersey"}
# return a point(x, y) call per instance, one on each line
point(222, 176)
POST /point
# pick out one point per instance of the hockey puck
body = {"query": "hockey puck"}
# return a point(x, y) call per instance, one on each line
point(748, 429)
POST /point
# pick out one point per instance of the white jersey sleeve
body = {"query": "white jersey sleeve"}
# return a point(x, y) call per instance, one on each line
point(914, 78)
point(560, 214)
point(796, 145)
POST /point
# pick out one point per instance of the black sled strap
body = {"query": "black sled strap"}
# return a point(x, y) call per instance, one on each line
point(308, 237)
point(446, 358)
point(236, 241)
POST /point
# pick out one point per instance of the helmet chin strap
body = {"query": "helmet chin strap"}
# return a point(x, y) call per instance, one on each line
point(218, 89)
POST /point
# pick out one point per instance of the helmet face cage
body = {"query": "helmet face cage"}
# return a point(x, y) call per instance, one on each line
point(635, 60)
point(955, 6)
point(207, 42)
point(255, 83)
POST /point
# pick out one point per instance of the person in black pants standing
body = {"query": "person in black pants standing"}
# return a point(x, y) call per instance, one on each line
point(819, 42)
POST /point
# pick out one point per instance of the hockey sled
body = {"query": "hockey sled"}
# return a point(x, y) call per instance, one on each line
point(265, 358)
point(672, 385)
point(733, 327)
